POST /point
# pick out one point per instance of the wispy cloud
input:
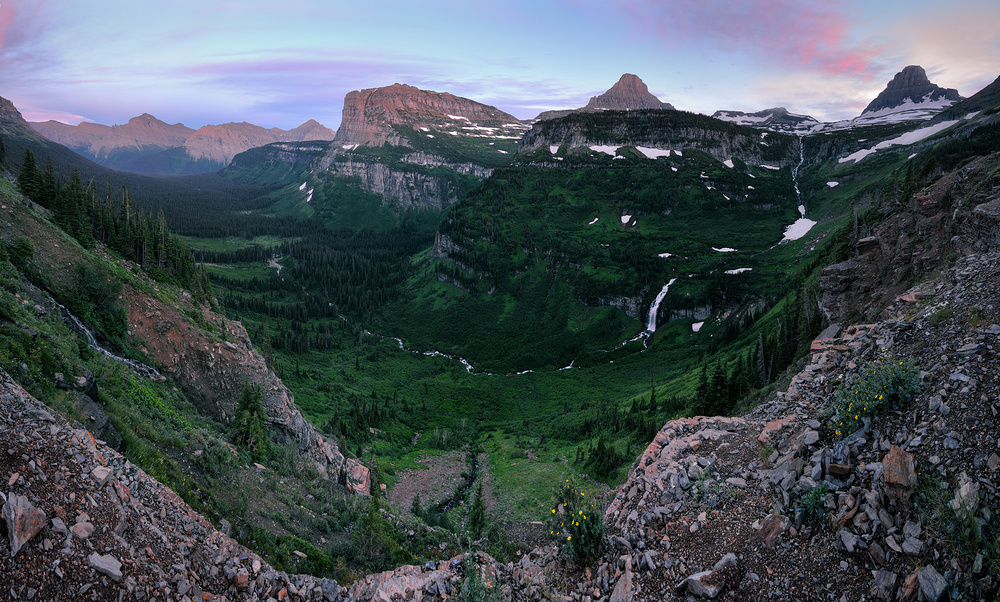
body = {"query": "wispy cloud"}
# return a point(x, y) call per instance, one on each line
point(811, 35)
point(36, 114)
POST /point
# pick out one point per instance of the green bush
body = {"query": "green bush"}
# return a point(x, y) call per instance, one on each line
point(888, 383)
point(578, 523)
point(813, 504)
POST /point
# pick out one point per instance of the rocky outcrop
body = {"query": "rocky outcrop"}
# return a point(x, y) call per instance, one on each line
point(628, 94)
point(916, 240)
point(369, 115)
point(212, 373)
point(911, 86)
point(403, 188)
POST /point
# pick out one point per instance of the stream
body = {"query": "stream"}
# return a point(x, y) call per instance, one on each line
point(80, 327)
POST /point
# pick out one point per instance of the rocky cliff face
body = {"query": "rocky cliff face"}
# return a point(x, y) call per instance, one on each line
point(660, 130)
point(437, 129)
point(916, 241)
point(212, 374)
point(911, 86)
point(370, 114)
point(628, 94)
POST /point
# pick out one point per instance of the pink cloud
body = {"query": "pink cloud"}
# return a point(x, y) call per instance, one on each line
point(33, 114)
point(806, 34)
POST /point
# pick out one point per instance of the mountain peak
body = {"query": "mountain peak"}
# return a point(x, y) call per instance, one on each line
point(369, 115)
point(912, 87)
point(628, 93)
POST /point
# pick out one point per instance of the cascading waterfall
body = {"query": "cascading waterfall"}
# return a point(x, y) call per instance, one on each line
point(138, 367)
point(655, 307)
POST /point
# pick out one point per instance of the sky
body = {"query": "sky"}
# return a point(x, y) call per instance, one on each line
point(280, 63)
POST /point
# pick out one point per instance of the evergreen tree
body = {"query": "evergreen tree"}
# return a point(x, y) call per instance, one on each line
point(477, 515)
point(28, 179)
point(249, 430)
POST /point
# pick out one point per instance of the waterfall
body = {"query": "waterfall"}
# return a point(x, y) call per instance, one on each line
point(655, 307)
point(138, 367)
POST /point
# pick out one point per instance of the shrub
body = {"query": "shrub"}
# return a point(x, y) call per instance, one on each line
point(578, 523)
point(888, 383)
point(813, 502)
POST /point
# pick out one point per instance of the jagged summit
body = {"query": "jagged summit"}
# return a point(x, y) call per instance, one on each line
point(627, 94)
point(370, 114)
point(911, 87)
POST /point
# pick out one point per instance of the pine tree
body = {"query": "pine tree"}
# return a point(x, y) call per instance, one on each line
point(28, 179)
point(477, 516)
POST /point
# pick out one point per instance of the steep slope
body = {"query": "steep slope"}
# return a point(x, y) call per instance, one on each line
point(628, 94)
point(414, 149)
point(604, 210)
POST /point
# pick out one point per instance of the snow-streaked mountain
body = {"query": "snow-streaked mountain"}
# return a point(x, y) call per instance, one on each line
point(777, 119)
point(910, 92)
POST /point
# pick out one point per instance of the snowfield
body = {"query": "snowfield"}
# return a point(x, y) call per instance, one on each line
point(832, 184)
point(652, 153)
point(626, 219)
point(738, 271)
point(724, 250)
point(728, 163)
point(904, 140)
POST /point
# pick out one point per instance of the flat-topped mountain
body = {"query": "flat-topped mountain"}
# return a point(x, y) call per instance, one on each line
point(370, 114)
point(148, 145)
point(911, 87)
point(628, 94)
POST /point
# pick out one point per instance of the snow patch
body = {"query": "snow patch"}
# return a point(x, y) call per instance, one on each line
point(738, 271)
point(310, 197)
point(603, 148)
point(553, 148)
point(833, 184)
point(303, 187)
point(500, 150)
point(457, 117)
point(593, 221)
point(724, 249)
point(911, 156)
point(349, 146)
point(453, 133)
point(750, 188)
point(728, 163)
point(423, 129)
point(665, 255)
point(697, 326)
point(672, 168)
point(678, 153)
point(652, 153)
point(798, 229)
point(904, 140)
point(626, 219)
point(770, 167)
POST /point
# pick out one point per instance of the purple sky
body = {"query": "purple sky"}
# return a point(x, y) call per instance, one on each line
point(281, 63)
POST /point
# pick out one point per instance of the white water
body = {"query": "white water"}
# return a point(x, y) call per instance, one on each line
point(801, 226)
point(139, 367)
point(655, 307)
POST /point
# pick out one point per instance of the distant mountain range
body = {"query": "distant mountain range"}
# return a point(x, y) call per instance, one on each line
point(147, 145)
point(628, 94)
